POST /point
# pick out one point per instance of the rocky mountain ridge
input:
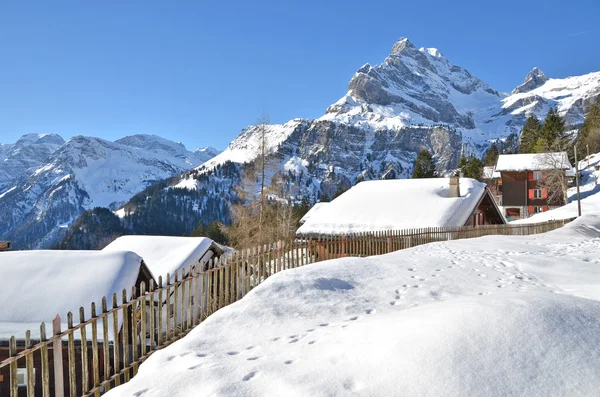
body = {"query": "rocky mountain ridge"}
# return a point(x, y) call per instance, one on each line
point(60, 180)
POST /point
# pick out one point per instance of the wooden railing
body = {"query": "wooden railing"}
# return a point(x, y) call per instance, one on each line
point(105, 349)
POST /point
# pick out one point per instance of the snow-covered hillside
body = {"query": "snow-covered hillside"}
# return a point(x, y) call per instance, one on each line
point(494, 316)
point(85, 172)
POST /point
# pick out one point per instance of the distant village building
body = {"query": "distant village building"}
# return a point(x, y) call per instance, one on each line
point(5, 246)
point(401, 204)
point(38, 285)
point(524, 183)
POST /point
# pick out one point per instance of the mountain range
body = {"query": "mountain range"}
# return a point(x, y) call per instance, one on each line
point(416, 98)
point(46, 183)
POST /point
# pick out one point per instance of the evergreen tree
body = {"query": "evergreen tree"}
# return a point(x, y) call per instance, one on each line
point(589, 134)
point(471, 167)
point(424, 165)
point(510, 144)
point(552, 134)
point(491, 156)
point(339, 191)
point(530, 135)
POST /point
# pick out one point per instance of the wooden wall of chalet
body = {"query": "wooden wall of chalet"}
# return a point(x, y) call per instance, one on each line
point(514, 189)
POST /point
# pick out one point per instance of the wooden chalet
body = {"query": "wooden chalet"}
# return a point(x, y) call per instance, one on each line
point(39, 285)
point(5, 246)
point(404, 204)
point(493, 180)
point(522, 180)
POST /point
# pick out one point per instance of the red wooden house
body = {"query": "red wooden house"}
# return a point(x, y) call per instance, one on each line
point(523, 181)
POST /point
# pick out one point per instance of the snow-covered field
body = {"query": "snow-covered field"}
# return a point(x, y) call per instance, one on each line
point(494, 316)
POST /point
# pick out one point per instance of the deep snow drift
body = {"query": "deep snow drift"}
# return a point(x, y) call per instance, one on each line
point(494, 316)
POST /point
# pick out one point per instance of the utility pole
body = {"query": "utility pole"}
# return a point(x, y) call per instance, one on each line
point(577, 182)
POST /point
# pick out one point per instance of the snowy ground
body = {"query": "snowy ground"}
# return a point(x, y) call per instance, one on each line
point(494, 316)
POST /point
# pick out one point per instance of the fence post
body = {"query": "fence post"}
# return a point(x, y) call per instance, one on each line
point(29, 366)
point(84, 352)
point(45, 363)
point(14, 382)
point(71, 356)
point(57, 354)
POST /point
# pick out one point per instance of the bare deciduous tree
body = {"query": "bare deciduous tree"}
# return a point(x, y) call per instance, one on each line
point(555, 177)
point(265, 213)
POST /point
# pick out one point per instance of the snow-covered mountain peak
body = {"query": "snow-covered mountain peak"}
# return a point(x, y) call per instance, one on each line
point(26, 154)
point(434, 52)
point(415, 87)
point(533, 80)
point(208, 151)
point(403, 45)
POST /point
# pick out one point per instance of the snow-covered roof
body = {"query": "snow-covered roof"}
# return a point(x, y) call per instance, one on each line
point(533, 162)
point(166, 254)
point(396, 204)
point(312, 211)
point(38, 285)
point(490, 173)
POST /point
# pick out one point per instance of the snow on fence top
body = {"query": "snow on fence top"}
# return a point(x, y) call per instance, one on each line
point(533, 162)
point(165, 254)
point(38, 285)
point(396, 204)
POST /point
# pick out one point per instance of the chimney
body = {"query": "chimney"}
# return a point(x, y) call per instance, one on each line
point(454, 187)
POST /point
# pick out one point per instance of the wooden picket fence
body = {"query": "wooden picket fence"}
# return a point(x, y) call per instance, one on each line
point(103, 350)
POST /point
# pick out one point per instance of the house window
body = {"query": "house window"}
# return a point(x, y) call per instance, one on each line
point(22, 377)
point(537, 193)
point(537, 175)
point(537, 210)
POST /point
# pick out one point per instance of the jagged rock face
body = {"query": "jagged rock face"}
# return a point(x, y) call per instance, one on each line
point(83, 173)
point(536, 78)
point(24, 155)
point(422, 81)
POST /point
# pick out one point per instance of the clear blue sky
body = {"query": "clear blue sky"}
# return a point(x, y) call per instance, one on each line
point(200, 71)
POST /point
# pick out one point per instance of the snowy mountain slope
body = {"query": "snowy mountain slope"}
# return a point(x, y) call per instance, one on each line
point(572, 97)
point(83, 173)
point(24, 155)
point(494, 316)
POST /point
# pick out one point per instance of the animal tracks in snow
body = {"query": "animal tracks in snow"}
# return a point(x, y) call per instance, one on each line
point(250, 376)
